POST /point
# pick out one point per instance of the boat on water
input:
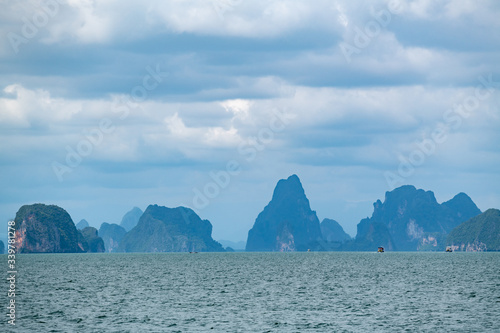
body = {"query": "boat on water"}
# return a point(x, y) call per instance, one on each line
point(449, 249)
point(380, 249)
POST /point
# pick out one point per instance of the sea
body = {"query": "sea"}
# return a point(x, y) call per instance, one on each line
point(256, 292)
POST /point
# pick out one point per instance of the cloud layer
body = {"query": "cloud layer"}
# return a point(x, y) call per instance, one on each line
point(109, 105)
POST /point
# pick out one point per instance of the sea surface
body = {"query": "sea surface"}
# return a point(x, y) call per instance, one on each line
point(256, 292)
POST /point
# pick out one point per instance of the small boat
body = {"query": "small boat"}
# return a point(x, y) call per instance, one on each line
point(449, 249)
point(380, 249)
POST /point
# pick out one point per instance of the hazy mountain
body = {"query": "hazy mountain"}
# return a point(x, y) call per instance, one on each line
point(82, 224)
point(94, 243)
point(370, 235)
point(131, 218)
point(234, 245)
point(480, 233)
point(111, 234)
point(45, 229)
point(287, 223)
point(2, 247)
point(414, 220)
point(162, 229)
point(332, 231)
point(457, 210)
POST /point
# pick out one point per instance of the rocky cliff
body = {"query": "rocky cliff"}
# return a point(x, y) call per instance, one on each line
point(414, 220)
point(480, 233)
point(287, 223)
point(111, 234)
point(91, 243)
point(45, 229)
point(332, 231)
point(162, 229)
point(370, 235)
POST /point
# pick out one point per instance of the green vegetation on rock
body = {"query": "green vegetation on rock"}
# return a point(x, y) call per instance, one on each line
point(95, 244)
point(411, 219)
point(480, 233)
point(332, 231)
point(45, 229)
point(111, 234)
point(162, 229)
point(287, 223)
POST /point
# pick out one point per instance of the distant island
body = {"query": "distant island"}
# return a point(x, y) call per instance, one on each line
point(287, 223)
point(409, 219)
point(412, 220)
point(49, 229)
point(480, 233)
point(162, 229)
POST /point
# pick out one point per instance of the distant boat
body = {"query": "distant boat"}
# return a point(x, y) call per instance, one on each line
point(380, 249)
point(449, 249)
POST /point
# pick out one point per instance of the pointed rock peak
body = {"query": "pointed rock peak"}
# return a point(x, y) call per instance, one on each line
point(287, 223)
point(461, 198)
point(289, 187)
point(462, 204)
point(135, 210)
point(131, 218)
point(82, 224)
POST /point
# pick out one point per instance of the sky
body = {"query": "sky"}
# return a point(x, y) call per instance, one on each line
point(107, 105)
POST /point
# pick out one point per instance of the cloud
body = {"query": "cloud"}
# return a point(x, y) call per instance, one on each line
point(251, 52)
point(214, 137)
point(226, 68)
point(330, 122)
point(24, 108)
point(238, 107)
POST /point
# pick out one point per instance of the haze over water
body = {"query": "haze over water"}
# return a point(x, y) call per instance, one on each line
point(258, 292)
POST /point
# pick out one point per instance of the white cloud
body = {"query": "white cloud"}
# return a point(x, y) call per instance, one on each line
point(177, 128)
point(213, 137)
point(90, 21)
point(351, 119)
point(261, 19)
point(25, 107)
point(92, 25)
point(238, 107)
